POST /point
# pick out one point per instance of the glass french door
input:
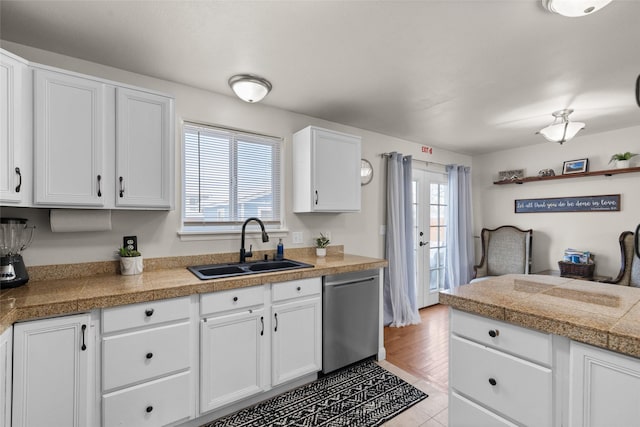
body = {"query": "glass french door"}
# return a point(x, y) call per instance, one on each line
point(430, 206)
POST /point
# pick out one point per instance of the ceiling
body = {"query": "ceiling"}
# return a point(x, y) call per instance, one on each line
point(468, 76)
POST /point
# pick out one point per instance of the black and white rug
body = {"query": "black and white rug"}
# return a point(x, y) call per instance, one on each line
point(361, 395)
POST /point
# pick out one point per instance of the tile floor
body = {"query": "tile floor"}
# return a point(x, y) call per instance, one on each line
point(431, 412)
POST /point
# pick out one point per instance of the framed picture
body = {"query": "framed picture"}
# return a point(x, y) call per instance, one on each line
point(575, 166)
point(511, 175)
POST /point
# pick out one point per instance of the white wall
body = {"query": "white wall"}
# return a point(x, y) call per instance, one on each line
point(157, 231)
point(553, 232)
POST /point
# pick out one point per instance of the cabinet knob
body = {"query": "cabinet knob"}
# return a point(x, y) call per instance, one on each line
point(492, 381)
point(149, 355)
point(298, 289)
point(235, 299)
point(149, 312)
point(149, 409)
point(494, 333)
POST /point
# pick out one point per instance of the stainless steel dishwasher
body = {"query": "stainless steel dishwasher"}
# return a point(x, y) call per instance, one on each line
point(350, 304)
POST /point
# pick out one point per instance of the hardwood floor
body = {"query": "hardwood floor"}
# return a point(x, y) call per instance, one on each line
point(422, 350)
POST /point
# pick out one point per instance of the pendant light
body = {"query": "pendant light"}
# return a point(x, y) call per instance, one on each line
point(561, 130)
point(250, 88)
point(574, 8)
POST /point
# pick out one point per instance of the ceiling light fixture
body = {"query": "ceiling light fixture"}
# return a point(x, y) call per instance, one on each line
point(561, 130)
point(574, 8)
point(250, 88)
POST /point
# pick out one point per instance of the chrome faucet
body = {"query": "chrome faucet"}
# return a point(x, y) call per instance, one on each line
point(265, 238)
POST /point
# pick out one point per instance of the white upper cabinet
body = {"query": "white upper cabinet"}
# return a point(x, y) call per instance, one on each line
point(69, 140)
point(15, 138)
point(144, 152)
point(326, 171)
point(101, 145)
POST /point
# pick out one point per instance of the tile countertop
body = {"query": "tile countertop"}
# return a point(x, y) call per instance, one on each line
point(599, 314)
point(53, 297)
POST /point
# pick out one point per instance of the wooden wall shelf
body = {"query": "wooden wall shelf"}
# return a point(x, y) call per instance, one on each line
point(607, 172)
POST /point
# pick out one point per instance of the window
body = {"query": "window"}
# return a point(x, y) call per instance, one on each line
point(229, 176)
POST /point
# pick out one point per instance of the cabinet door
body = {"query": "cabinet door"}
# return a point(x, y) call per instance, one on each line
point(604, 387)
point(5, 377)
point(50, 372)
point(144, 150)
point(14, 168)
point(336, 171)
point(69, 140)
point(296, 339)
point(231, 360)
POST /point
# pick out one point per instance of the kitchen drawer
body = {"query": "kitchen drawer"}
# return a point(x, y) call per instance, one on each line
point(151, 404)
point(522, 342)
point(144, 314)
point(145, 354)
point(464, 413)
point(519, 389)
point(296, 288)
point(233, 299)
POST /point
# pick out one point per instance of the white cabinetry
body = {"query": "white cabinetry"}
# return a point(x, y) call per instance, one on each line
point(604, 388)
point(101, 146)
point(148, 352)
point(296, 329)
point(326, 171)
point(51, 372)
point(144, 153)
point(233, 341)
point(6, 341)
point(499, 373)
point(15, 138)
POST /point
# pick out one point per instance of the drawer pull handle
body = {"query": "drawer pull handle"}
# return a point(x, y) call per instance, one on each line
point(494, 333)
point(492, 381)
point(235, 299)
point(149, 409)
point(84, 346)
point(149, 355)
point(262, 323)
point(149, 312)
point(298, 289)
point(275, 315)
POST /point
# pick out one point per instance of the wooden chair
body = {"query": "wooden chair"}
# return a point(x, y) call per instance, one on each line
point(505, 250)
point(630, 263)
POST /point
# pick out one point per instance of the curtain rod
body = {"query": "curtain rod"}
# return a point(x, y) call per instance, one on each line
point(417, 160)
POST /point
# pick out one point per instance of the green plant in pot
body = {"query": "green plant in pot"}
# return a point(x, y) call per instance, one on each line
point(622, 159)
point(130, 261)
point(321, 245)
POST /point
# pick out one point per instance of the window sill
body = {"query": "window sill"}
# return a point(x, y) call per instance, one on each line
point(202, 234)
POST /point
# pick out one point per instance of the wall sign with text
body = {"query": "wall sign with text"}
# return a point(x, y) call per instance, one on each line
point(607, 203)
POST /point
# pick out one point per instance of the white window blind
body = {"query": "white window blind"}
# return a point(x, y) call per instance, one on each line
point(230, 176)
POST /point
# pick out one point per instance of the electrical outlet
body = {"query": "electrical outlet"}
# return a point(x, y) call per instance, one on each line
point(130, 242)
point(296, 237)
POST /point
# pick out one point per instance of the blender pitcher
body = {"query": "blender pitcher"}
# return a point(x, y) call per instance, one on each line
point(15, 237)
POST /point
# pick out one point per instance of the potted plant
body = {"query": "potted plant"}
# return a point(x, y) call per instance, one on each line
point(622, 159)
point(321, 245)
point(130, 261)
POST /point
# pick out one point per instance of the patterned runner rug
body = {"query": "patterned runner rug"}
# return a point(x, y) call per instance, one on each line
point(360, 395)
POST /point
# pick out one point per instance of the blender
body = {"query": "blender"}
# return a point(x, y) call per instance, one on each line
point(15, 237)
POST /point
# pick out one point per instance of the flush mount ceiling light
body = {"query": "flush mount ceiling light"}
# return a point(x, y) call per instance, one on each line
point(250, 88)
point(574, 8)
point(561, 130)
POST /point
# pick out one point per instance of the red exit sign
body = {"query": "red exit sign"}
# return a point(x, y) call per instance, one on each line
point(428, 150)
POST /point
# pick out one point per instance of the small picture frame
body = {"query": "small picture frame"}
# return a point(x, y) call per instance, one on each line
point(575, 166)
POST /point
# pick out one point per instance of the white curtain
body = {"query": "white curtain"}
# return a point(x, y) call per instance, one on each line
point(400, 306)
point(460, 257)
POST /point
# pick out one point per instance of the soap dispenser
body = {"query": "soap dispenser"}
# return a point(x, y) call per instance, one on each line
point(280, 251)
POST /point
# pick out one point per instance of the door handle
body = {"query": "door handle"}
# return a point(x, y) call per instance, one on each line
point(423, 243)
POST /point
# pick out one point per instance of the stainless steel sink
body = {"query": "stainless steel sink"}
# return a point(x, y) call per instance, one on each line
point(217, 271)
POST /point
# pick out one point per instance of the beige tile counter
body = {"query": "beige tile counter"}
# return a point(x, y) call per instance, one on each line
point(599, 314)
point(70, 294)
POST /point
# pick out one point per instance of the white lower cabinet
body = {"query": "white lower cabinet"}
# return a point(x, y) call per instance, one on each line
point(604, 387)
point(51, 372)
point(148, 354)
point(500, 374)
point(6, 345)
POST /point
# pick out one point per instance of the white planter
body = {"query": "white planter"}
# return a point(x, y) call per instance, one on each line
point(622, 164)
point(320, 252)
point(131, 265)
